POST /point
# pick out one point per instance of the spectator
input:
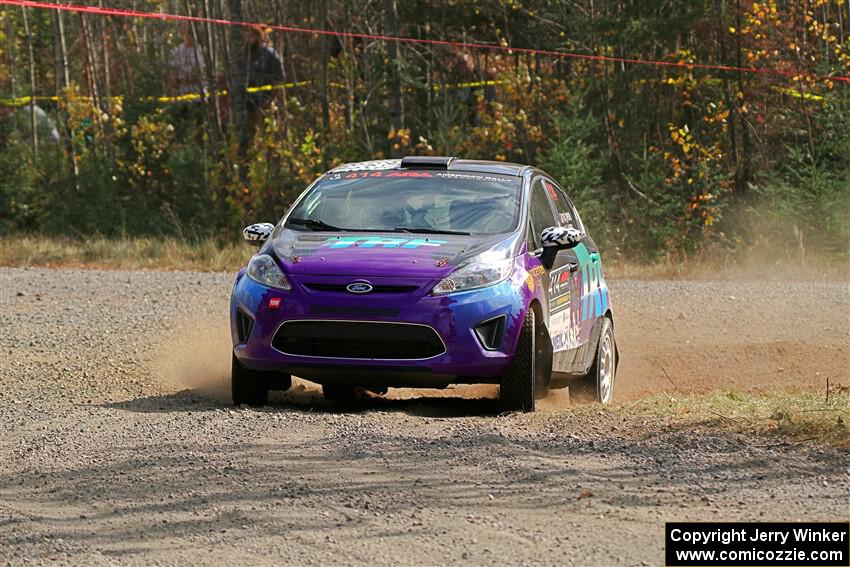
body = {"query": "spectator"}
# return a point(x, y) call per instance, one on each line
point(264, 69)
point(465, 72)
point(19, 121)
point(186, 66)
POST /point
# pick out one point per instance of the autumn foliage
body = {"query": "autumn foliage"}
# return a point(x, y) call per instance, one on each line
point(663, 161)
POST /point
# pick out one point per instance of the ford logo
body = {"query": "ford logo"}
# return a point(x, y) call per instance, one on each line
point(359, 287)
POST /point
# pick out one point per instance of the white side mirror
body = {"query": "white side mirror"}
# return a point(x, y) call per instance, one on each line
point(561, 237)
point(257, 233)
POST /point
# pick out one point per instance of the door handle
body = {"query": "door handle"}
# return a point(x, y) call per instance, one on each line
point(594, 256)
point(573, 266)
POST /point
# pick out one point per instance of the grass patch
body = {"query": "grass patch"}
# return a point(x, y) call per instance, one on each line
point(156, 254)
point(800, 416)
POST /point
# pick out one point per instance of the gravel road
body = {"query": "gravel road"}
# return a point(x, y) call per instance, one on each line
point(118, 447)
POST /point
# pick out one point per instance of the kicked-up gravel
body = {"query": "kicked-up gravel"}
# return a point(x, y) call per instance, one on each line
point(118, 446)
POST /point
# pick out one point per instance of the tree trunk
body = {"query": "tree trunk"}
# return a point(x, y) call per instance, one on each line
point(10, 50)
point(211, 60)
point(396, 110)
point(236, 85)
point(63, 81)
point(326, 112)
point(33, 125)
point(90, 67)
point(742, 173)
point(731, 101)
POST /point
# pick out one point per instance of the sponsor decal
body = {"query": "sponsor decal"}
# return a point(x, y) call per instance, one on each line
point(476, 177)
point(274, 302)
point(563, 326)
point(572, 322)
point(381, 242)
point(594, 293)
point(567, 335)
point(365, 174)
point(559, 286)
point(533, 277)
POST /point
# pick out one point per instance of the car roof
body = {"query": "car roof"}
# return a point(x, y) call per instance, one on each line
point(434, 163)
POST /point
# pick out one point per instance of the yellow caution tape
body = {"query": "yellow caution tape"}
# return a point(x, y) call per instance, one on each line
point(469, 85)
point(190, 97)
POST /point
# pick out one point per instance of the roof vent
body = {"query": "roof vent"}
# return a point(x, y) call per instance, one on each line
point(426, 162)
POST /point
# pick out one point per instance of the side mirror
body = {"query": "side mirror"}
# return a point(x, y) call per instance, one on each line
point(257, 233)
point(557, 238)
point(560, 237)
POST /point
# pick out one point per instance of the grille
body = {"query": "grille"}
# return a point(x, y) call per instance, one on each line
point(356, 339)
point(341, 288)
point(244, 324)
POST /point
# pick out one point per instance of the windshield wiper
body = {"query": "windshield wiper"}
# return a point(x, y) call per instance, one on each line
point(430, 231)
point(315, 224)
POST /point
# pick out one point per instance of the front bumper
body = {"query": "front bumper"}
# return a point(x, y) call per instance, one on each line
point(453, 317)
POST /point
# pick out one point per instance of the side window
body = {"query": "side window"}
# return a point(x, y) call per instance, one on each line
point(566, 213)
point(541, 214)
point(579, 224)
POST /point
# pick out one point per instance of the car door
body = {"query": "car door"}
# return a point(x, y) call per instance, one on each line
point(564, 287)
point(589, 292)
point(556, 280)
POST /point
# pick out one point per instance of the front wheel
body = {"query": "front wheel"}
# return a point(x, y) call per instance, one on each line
point(598, 384)
point(527, 377)
point(247, 386)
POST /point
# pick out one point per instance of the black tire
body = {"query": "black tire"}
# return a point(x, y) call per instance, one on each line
point(518, 388)
point(543, 360)
point(247, 386)
point(591, 387)
point(338, 392)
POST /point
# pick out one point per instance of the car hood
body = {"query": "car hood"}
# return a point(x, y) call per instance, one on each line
point(382, 253)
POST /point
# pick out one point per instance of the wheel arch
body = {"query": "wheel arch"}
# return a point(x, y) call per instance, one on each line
point(610, 315)
point(537, 308)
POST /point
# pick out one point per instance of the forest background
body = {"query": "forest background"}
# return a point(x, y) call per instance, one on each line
point(664, 162)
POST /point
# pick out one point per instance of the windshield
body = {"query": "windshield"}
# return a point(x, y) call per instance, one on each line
point(410, 201)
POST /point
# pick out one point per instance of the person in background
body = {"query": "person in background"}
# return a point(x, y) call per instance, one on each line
point(464, 71)
point(18, 121)
point(264, 68)
point(186, 65)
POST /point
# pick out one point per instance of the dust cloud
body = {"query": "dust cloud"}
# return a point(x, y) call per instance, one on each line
point(195, 355)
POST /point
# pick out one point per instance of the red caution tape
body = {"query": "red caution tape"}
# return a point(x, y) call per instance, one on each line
point(794, 75)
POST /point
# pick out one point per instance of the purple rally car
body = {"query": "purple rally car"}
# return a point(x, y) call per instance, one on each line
point(425, 272)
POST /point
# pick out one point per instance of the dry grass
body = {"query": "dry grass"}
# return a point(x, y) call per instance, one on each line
point(754, 265)
point(157, 254)
point(165, 254)
point(794, 415)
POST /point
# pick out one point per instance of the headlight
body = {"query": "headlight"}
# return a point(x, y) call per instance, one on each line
point(264, 269)
point(475, 274)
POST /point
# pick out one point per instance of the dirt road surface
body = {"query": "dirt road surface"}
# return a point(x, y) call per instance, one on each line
point(118, 446)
